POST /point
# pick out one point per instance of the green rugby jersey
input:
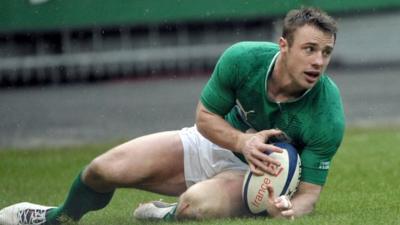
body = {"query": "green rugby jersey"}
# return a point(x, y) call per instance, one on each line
point(314, 122)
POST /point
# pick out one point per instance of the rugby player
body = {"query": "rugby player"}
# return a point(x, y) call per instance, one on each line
point(269, 89)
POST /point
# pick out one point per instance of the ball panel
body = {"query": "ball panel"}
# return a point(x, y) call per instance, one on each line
point(293, 159)
point(262, 212)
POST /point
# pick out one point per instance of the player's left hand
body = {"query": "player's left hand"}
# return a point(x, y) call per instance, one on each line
point(280, 207)
point(253, 145)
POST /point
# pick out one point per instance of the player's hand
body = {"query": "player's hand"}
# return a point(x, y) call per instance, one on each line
point(280, 207)
point(253, 148)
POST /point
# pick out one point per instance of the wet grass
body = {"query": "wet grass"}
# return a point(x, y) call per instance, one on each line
point(363, 185)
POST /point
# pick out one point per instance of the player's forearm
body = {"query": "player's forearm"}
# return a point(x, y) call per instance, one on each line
point(305, 198)
point(216, 129)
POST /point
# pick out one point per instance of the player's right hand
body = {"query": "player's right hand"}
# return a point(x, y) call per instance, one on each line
point(280, 207)
point(253, 147)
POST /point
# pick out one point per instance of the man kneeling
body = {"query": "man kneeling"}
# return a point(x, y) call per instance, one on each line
point(271, 89)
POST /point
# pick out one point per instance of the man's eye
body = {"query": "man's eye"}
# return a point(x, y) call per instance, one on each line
point(327, 53)
point(309, 49)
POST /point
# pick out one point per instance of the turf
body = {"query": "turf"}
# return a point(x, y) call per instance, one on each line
point(363, 185)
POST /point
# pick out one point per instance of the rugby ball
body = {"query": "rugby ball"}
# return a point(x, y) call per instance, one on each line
point(255, 193)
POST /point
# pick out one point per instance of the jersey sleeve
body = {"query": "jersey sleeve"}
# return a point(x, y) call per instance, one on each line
point(323, 140)
point(316, 158)
point(218, 96)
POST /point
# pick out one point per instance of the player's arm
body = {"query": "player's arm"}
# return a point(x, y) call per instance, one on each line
point(251, 145)
point(302, 203)
point(218, 98)
point(305, 199)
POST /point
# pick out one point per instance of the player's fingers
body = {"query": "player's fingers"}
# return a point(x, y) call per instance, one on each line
point(283, 202)
point(268, 148)
point(255, 170)
point(289, 214)
point(271, 193)
point(264, 165)
point(260, 167)
point(264, 157)
point(270, 133)
point(267, 159)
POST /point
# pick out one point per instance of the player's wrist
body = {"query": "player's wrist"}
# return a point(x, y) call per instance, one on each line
point(241, 140)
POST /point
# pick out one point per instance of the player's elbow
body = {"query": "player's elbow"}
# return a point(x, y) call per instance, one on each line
point(304, 209)
point(306, 198)
point(202, 118)
point(202, 126)
point(200, 122)
point(310, 209)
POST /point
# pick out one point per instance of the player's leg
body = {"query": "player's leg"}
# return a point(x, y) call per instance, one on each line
point(153, 162)
point(215, 177)
point(218, 197)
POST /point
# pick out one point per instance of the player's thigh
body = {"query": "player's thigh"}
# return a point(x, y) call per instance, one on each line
point(218, 197)
point(152, 162)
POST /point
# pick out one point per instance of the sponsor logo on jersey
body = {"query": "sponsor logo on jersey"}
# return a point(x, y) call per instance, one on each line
point(242, 111)
point(324, 165)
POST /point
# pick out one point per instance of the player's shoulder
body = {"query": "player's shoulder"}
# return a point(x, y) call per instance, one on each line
point(329, 86)
point(249, 45)
point(327, 113)
point(327, 98)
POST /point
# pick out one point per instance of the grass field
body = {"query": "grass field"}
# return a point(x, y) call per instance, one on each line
point(363, 185)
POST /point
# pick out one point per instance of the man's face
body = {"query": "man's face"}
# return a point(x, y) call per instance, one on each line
point(308, 56)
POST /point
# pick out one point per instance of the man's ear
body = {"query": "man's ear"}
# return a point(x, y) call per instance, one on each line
point(283, 44)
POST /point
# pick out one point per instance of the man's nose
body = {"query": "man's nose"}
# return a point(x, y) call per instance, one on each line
point(318, 60)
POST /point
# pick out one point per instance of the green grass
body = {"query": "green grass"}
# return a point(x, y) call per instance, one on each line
point(363, 185)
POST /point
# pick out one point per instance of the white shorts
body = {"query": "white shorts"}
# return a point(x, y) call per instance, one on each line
point(204, 159)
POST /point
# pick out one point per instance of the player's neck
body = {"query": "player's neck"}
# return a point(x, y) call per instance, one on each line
point(281, 87)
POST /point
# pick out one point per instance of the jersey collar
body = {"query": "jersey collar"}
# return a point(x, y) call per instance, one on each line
point(271, 65)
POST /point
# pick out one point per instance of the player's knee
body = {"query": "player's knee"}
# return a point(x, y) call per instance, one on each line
point(199, 203)
point(192, 207)
point(97, 172)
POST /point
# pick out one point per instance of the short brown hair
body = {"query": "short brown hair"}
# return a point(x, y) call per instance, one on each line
point(307, 16)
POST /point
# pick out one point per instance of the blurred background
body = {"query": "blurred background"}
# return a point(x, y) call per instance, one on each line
point(85, 71)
